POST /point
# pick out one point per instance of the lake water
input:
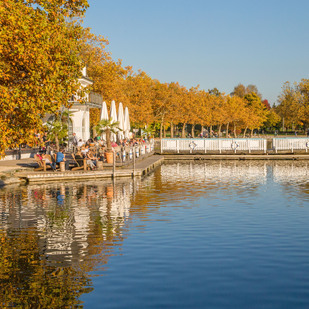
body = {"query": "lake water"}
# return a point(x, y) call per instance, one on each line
point(191, 235)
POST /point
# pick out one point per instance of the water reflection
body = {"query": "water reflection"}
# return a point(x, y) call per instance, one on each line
point(54, 236)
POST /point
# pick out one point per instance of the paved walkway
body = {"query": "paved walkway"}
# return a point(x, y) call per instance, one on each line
point(13, 165)
point(7, 166)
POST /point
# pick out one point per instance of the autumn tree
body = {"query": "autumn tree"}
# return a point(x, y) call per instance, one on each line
point(303, 89)
point(175, 100)
point(219, 111)
point(214, 92)
point(257, 111)
point(138, 91)
point(235, 111)
point(289, 108)
point(160, 103)
point(273, 119)
point(188, 108)
point(240, 90)
point(39, 63)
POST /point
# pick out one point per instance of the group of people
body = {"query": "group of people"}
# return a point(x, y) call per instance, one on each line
point(54, 159)
point(91, 151)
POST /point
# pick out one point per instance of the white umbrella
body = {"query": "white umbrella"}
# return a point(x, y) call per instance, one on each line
point(104, 116)
point(126, 126)
point(113, 118)
point(104, 111)
point(121, 121)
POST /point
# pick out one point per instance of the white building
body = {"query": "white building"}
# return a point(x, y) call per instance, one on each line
point(80, 112)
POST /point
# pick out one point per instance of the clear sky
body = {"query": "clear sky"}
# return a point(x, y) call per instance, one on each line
point(217, 43)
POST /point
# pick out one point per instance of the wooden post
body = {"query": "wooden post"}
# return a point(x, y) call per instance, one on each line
point(85, 164)
point(62, 166)
point(44, 165)
point(133, 161)
point(114, 164)
point(100, 165)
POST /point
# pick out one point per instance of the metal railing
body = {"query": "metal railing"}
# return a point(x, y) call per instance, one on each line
point(129, 153)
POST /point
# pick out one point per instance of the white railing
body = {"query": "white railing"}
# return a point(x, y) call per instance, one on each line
point(295, 143)
point(127, 153)
point(213, 144)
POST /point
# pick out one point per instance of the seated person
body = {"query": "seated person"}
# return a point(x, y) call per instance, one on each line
point(91, 160)
point(84, 150)
point(80, 143)
point(60, 157)
point(79, 158)
point(47, 160)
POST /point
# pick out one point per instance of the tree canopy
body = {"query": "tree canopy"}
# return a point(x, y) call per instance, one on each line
point(39, 63)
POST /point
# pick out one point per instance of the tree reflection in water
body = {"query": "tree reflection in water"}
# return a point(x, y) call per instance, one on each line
point(54, 236)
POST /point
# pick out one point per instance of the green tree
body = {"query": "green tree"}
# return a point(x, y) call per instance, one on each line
point(107, 126)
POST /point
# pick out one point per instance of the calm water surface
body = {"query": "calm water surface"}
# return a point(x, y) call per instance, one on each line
point(191, 235)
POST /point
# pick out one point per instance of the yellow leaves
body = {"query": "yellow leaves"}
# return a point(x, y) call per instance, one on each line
point(41, 63)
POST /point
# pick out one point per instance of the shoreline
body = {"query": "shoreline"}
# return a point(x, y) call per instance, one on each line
point(22, 171)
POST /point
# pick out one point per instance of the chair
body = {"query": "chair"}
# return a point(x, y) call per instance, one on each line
point(41, 163)
point(79, 163)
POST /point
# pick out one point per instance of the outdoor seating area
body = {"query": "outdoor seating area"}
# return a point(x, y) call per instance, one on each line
point(92, 155)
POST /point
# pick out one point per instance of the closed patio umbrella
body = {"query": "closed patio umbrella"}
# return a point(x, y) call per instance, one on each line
point(113, 118)
point(104, 115)
point(127, 126)
point(104, 111)
point(121, 121)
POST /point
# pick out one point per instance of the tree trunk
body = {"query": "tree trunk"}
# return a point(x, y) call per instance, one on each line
point(172, 130)
point(57, 143)
point(94, 132)
point(210, 131)
point(245, 131)
point(183, 133)
point(164, 131)
point(227, 130)
point(192, 130)
point(161, 130)
point(219, 130)
point(251, 132)
point(108, 140)
point(235, 135)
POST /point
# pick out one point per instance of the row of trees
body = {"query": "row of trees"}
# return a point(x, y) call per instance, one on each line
point(43, 48)
point(162, 106)
point(165, 105)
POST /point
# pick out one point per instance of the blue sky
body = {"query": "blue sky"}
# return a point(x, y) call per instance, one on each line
point(211, 43)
